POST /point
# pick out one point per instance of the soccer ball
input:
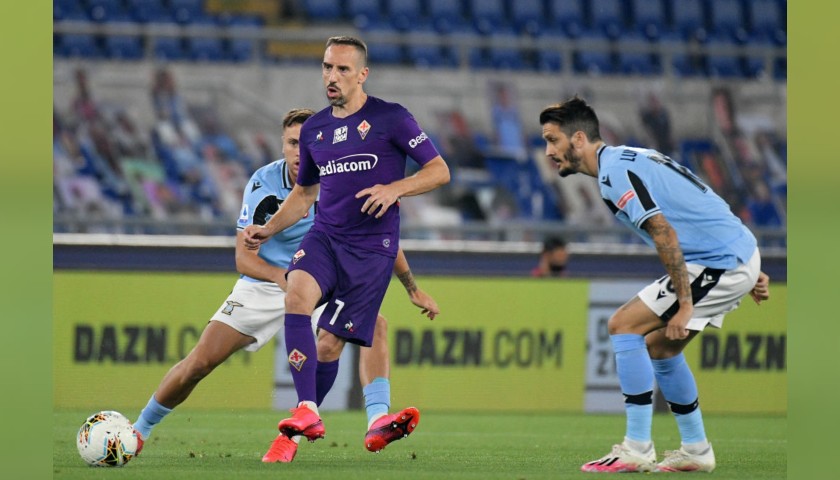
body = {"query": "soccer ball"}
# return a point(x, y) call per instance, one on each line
point(107, 439)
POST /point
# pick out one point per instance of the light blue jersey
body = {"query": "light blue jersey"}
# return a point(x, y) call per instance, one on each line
point(638, 183)
point(262, 197)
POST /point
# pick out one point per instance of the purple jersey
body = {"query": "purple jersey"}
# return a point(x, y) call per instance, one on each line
point(347, 155)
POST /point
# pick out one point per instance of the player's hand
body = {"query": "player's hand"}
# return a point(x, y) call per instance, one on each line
point(761, 290)
point(675, 330)
point(254, 236)
point(428, 304)
point(380, 198)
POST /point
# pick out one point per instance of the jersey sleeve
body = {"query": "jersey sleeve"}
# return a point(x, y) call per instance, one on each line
point(249, 203)
point(411, 139)
point(629, 193)
point(308, 171)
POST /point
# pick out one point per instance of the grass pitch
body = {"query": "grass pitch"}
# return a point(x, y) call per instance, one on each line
point(214, 445)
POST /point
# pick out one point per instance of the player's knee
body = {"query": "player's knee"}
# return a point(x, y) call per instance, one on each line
point(196, 368)
point(329, 347)
point(617, 325)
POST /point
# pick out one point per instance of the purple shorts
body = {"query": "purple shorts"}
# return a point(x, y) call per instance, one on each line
point(353, 284)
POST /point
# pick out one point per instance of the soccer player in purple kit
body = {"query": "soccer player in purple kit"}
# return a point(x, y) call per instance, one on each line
point(354, 154)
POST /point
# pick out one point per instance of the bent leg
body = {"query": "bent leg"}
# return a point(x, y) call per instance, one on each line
point(627, 328)
point(679, 388)
point(302, 295)
point(217, 343)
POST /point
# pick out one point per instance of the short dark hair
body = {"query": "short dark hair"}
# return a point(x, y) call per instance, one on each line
point(295, 116)
point(353, 42)
point(571, 116)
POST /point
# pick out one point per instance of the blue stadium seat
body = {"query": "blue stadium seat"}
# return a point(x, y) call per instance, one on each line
point(567, 15)
point(425, 54)
point(323, 10)
point(689, 19)
point(405, 14)
point(726, 17)
point(242, 49)
point(488, 16)
point(108, 11)
point(124, 47)
point(447, 16)
point(766, 22)
point(549, 61)
point(169, 48)
point(206, 49)
point(384, 52)
point(69, 10)
point(686, 65)
point(606, 17)
point(363, 13)
point(594, 56)
point(149, 11)
point(527, 16)
point(79, 45)
point(635, 59)
point(723, 65)
point(505, 55)
point(186, 12)
point(780, 69)
point(649, 17)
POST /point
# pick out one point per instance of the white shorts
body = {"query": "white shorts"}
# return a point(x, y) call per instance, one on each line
point(716, 292)
point(256, 309)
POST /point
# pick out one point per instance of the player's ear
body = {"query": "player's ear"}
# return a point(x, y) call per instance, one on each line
point(363, 73)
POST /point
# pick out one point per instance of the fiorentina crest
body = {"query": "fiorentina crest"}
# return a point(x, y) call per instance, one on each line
point(297, 359)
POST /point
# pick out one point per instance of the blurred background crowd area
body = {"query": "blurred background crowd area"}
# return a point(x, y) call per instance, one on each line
point(164, 108)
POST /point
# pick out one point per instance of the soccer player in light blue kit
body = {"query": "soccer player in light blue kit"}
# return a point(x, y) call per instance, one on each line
point(711, 260)
point(354, 154)
point(253, 312)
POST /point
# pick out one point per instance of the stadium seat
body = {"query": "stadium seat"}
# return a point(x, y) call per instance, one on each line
point(149, 11)
point(635, 56)
point(208, 49)
point(186, 12)
point(527, 16)
point(687, 65)
point(241, 49)
point(567, 15)
point(124, 47)
point(79, 45)
point(102, 11)
point(606, 18)
point(504, 54)
point(323, 10)
point(766, 22)
point(594, 56)
point(488, 16)
point(549, 61)
point(405, 14)
point(727, 18)
point(426, 54)
point(780, 69)
point(364, 12)
point(689, 19)
point(168, 48)
point(723, 65)
point(69, 10)
point(447, 16)
point(649, 17)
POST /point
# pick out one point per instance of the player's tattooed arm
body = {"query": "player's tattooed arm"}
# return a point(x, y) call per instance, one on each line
point(407, 279)
point(670, 254)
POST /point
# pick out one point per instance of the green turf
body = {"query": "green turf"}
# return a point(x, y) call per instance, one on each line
point(228, 445)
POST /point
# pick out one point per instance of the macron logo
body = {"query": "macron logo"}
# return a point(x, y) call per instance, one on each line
point(417, 140)
point(360, 162)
